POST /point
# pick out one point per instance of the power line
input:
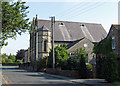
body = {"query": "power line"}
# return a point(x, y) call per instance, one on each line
point(69, 9)
point(83, 10)
point(82, 7)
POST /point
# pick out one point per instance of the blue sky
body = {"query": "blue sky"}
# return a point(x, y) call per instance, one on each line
point(105, 13)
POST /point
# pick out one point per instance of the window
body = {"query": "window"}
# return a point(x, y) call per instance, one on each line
point(82, 25)
point(61, 24)
point(85, 45)
point(113, 42)
point(45, 45)
point(71, 54)
point(87, 57)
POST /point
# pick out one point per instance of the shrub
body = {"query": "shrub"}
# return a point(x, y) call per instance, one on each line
point(82, 68)
point(19, 61)
point(110, 68)
point(3, 60)
point(12, 57)
point(89, 67)
point(8, 61)
point(61, 57)
point(41, 63)
point(72, 63)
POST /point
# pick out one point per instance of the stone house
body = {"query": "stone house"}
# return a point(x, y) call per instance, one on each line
point(27, 55)
point(74, 34)
point(114, 32)
point(82, 43)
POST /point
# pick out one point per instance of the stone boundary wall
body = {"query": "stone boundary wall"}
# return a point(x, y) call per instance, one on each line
point(57, 71)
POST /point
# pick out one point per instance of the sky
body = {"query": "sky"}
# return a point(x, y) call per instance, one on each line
point(101, 12)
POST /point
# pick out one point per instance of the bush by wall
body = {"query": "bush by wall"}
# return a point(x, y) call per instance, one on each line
point(110, 68)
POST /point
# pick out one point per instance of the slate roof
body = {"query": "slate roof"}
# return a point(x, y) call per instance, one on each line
point(42, 28)
point(71, 44)
point(116, 26)
point(76, 44)
point(72, 31)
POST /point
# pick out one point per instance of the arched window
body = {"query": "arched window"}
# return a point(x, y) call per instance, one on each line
point(45, 46)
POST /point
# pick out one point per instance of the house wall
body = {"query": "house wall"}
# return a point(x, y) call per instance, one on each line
point(26, 56)
point(88, 49)
point(115, 33)
point(42, 36)
point(32, 46)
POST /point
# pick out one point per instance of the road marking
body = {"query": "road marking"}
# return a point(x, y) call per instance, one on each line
point(6, 82)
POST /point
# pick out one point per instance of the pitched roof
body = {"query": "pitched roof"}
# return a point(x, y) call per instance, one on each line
point(79, 43)
point(71, 31)
point(113, 27)
point(116, 26)
point(42, 28)
point(72, 44)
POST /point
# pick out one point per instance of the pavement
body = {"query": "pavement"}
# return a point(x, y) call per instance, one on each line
point(87, 82)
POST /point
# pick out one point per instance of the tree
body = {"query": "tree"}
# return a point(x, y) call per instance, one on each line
point(20, 54)
point(104, 47)
point(8, 61)
point(110, 68)
point(61, 56)
point(12, 57)
point(3, 60)
point(14, 19)
point(4, 55)
point(107, 65)
point(19, 61)
point(82, 68)
point(73, 61)
point(82, 59)
point(41, 64)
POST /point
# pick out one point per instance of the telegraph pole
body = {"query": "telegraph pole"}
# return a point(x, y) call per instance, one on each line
point(52, 29)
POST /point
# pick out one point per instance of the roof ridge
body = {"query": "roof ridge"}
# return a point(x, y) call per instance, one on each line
point(69, 21)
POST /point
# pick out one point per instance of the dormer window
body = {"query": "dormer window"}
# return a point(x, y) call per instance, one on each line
point(61, 24)
point(82, 25)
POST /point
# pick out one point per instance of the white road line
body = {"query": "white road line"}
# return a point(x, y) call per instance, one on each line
point(6, 82)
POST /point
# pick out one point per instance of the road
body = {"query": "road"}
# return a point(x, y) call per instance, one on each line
point(14, 75)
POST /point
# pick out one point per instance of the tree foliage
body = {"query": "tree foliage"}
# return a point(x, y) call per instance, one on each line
point(82, 67)
point(108, 62)
point(79, 52)
point(110, 68)
point(81, 60)
point(74, 61)
point(14, 19)
point(8, 58)
point(4, 55)
point(12, 57)
point(8, 61)
point(61, 56)
point(3, 60)
point(19, 61)
point(41, 64)
point(20, 54)
point(103, 47)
